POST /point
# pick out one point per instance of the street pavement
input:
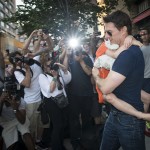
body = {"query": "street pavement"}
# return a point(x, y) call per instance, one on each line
point(69, 147)
point(147, 142)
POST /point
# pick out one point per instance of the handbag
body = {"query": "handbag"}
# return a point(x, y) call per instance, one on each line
point(44, 115)
point(61, 100)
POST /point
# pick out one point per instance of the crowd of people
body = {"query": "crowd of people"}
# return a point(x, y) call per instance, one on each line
point(71, 84)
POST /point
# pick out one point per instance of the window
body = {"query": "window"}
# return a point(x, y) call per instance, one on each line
point(6, 10)
point(2, 24)
point(10, 14)
point(1, 5)
point(10, 6)
point(1, 14)
point(7, 26)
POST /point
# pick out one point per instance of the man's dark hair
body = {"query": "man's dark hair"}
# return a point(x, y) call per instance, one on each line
point(12, 55)
point(120, 19)
point(144, 28)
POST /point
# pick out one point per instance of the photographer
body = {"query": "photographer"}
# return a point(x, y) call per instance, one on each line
point(13, 119)
point(40, 39)
point(80, 92)
point(52, 85)
point(29, 79)
point(26, 72)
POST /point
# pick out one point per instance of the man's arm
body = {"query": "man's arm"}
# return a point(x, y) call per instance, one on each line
point(28, 41)
point(108, 84)
point(41, 51)
point(37, 44)
point(87, 69)
point(126, 107)
point(49, 41)
point(24, 80)
point(27, 80)
point(19, 113)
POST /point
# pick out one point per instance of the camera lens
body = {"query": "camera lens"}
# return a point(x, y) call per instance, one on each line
point(28, 61)
point(54, 66)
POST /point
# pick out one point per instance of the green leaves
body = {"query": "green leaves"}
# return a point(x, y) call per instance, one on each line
point(59, 16)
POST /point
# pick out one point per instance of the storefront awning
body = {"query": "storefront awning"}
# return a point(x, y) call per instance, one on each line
point(141, 16)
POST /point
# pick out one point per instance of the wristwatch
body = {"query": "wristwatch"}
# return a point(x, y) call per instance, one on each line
point(54, 79)
point(15, 110)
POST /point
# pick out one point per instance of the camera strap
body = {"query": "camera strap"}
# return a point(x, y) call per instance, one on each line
point(23, 72)
point(38, 63)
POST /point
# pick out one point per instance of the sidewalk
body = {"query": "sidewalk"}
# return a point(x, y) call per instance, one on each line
point(147, 142)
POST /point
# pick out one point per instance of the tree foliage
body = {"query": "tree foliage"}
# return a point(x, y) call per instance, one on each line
point(59, 16)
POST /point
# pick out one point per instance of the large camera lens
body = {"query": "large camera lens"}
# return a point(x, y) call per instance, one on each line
point(54, 66)
point(16, 59)
point(28, 61)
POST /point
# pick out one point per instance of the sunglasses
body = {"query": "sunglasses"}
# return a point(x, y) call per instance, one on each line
point(108, 32)
point(142, 34)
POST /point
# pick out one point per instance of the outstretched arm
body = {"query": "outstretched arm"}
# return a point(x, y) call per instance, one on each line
point(125, 107)
point(108, 85)
point(28, 41)
point(129, 40)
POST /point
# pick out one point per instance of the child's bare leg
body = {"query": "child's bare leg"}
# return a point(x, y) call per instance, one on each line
point(123, 106)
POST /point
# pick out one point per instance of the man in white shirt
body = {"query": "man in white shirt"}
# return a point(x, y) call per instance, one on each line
point(29, 80)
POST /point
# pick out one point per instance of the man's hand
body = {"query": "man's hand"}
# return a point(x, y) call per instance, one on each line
point(34, 33)
point(45, 36)
point(27, 67)
point(63, 67)
point(39, 32)
point(95, 72)
point(54, 73)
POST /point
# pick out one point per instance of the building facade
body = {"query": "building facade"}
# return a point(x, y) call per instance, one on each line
point(8, 30)
point(7, 8)
point(138, 10)
point(140, 13)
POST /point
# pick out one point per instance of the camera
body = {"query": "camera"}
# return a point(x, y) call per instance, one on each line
point(11, 86)
point(45, 31)
point(26, 60)
point(138, 37)
point(53, 66)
